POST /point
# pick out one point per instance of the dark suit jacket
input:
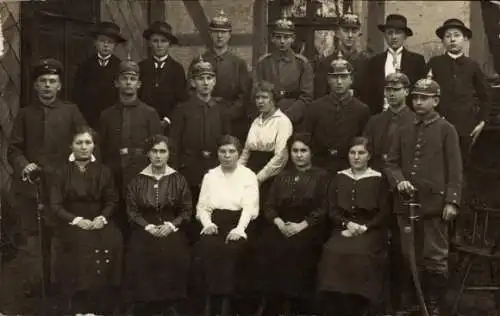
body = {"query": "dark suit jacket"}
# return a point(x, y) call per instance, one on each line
point(94, 88)
point(412, 65)
point(376, 130)
point(162, 88)
point(464, 91)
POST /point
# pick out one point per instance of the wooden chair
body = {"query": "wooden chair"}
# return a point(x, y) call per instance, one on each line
point(476, 242)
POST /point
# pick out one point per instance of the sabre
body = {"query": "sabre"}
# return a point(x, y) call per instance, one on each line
point(412, 207)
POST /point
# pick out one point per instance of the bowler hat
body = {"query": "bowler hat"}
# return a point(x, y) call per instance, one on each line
point(47, 66)
point(163, 28)
point(453, 23)
point(109, 29)
point(396, 21)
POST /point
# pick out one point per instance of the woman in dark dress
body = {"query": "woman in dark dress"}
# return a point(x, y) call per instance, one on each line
point(352, 266)
point(229, 201)
point(157, 263)
point(290, 245)
point(87, 244)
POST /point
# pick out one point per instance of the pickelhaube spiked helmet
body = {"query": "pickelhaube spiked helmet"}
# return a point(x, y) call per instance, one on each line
point(397, 78)
point(128, 67)
point(284, 26)
point(427, 86)
point(202, 67)
point(349, 20)
point(340, 66)
point(220, 22)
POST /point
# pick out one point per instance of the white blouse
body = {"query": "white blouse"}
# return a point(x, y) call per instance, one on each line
point(234, 191)
point(270, 134)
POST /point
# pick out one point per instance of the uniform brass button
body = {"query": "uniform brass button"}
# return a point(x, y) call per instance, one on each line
point(107, 261)
point(97, 251)
point(97, 261)
point(106, 251)
point(98, 271)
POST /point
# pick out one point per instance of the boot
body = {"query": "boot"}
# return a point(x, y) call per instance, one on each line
point(435, 288)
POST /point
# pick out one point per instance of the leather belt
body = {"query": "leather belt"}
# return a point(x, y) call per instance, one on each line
point(131, 151)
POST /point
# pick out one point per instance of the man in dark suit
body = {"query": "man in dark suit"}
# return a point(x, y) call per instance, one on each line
point(465, 99)
point(163, 78)
point(395, 57)
point(94, 89)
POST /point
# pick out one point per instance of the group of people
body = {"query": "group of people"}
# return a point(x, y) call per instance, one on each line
point(266, 194)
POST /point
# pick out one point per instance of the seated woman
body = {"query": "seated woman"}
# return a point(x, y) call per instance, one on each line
point(87, 244)
point(290, 246)
point(352, 266)
point(265, 148)
point(159, 203)
point(229, 201)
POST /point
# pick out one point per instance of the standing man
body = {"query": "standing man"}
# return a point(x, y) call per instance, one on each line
point(163, 80)
point(424, 164)
point(380, 131)
point(395, 57)
point(39, 144)
point(196, 126)
point(347, 34)
point(335, 119)
point(465, 99)
point(290, 73)
point(125, 126)
point(233, 80)
point(94, 89)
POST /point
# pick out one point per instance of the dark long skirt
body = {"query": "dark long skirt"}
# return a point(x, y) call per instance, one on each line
point(156, 268)
point(219, 261)
point(287, 266)
point(86, 259)
point(354, 265)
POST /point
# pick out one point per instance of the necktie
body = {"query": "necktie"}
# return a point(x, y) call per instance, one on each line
point(394, 59)
point(103, 62)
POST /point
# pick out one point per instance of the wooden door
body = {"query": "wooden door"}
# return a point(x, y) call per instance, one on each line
point(313, 20)
point(57, 29)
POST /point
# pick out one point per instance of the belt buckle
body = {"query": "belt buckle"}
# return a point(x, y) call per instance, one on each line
point(333, 152)
point(124, 151)
point(206, 154)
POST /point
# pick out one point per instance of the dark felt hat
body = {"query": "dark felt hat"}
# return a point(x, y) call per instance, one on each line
point(163, 28)
point(396, 21)
point(453, 23)
point(47, 66)
point(109, 29)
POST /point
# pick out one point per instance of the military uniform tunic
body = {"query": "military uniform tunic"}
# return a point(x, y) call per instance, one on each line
point(293, 76)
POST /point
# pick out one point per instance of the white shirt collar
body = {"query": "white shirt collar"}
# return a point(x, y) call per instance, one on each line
point(103, 57)
point(277, 113)
point(160, 59)
point(148, 171)
point(72, 158)
point(368, 174)
point(455, 56)
point(397, 52)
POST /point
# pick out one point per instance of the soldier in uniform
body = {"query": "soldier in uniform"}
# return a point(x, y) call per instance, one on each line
point(290, 73)
point(196, 126)
point(335, 119)
point(163, 80)
point(124, 129)
point(347, 34)
point(380, 131)
point(39, 145)
point(424, 163)
point(94, 88)
point(233, 80)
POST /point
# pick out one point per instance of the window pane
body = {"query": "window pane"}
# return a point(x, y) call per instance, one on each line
point(297, 9)
point(324, 42)
point(328, 8)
